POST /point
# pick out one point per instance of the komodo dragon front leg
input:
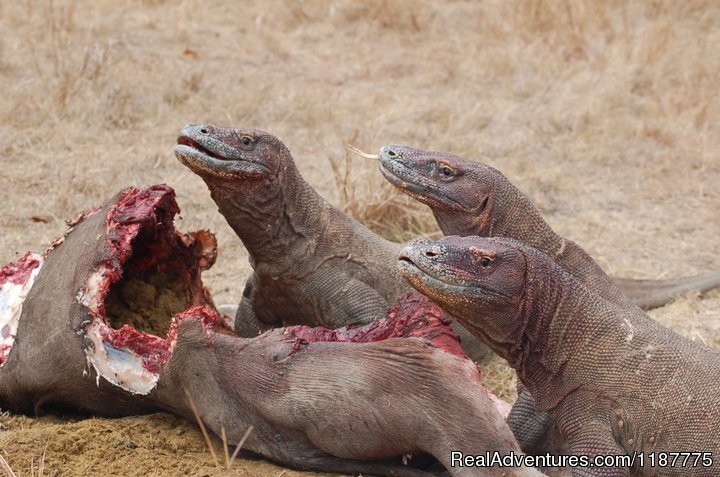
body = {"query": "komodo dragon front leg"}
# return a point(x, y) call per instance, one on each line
point(531, 428)
point(248, 322)
point(337, 300)
point(340, 300)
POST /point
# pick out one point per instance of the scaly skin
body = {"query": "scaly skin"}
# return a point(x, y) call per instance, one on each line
point(613, 380)
point(312, 263)
point(470, 198)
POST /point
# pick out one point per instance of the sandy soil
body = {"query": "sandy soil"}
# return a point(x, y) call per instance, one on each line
point(607, 115)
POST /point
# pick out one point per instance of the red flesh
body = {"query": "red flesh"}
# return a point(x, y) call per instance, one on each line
point(138, 211)
point(18, 273)
point(412, 316)
point(156, 351)
point(137, 207)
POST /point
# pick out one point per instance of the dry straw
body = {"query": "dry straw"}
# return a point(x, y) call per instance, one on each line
point(229, 459)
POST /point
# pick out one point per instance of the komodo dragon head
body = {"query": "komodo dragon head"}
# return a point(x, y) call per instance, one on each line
point(243, 158)
point(460, 193)
point(471, 198)
point(483, 282)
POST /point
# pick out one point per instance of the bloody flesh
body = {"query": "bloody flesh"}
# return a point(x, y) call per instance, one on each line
point(19, 272)
point(153, 350)
point(141, 242)
point(16, 279)
point(412, 316)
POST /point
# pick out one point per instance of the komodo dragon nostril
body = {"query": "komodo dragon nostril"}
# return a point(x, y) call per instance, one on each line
point(204, 131)
point(391, 153)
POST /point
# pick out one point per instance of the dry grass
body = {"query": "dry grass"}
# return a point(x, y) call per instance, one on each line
point(229, 459)
point(40, 466)
point(607, 114)
point(153, 445)
point(6, 467)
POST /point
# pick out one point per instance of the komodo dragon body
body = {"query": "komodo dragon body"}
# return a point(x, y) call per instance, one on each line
point(471, 198)
point(614, 381)
point(312, 263)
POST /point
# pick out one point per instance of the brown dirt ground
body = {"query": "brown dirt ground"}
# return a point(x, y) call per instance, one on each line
point(607, 114)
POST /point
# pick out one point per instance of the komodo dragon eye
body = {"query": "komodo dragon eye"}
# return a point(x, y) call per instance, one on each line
point(485, 260)
point(446, 171)
point(246, 140)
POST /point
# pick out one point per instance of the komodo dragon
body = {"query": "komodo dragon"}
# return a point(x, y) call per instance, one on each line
point(614, 381)
point(312, 263)
point(470, 198)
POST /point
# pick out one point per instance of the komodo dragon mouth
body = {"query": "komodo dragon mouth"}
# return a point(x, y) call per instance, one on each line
point(186, 141)
point(426, 276)
point(401, 176)
point(418, 271)
point(211, 157)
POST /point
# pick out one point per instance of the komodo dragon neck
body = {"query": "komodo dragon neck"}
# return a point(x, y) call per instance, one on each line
point(287, 218)
point(509, 213)
point(569, 330)
point(540, 354)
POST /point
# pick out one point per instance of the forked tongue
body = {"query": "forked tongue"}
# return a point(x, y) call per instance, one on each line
point(358, 152)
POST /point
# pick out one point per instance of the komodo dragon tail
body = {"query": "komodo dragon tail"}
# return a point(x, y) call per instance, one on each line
point(648, 294)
